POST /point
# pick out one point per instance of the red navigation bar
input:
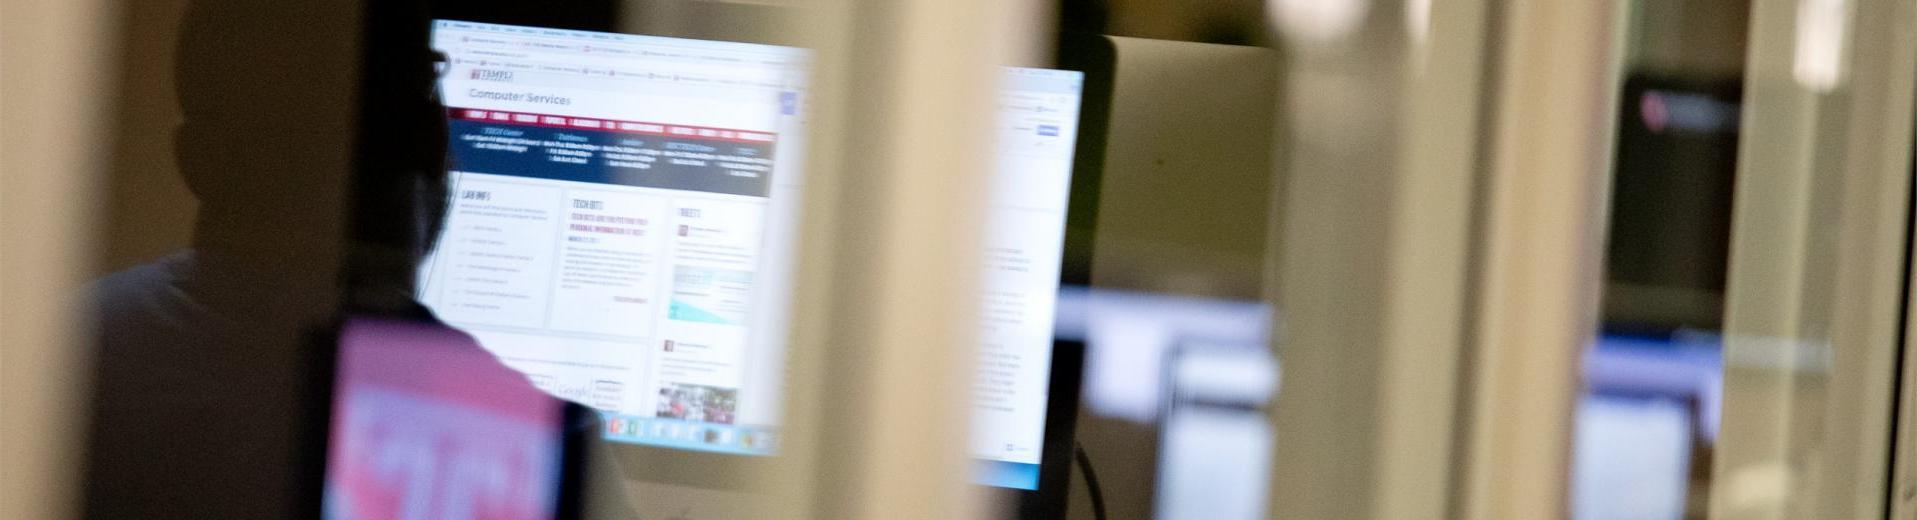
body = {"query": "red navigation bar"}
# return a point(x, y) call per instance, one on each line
point(629, 127)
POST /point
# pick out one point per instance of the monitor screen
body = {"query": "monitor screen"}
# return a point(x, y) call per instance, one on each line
point(1024, 244)
point(425, 424)
point(623, 220)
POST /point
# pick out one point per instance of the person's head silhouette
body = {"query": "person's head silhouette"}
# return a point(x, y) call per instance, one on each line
point(267, 142)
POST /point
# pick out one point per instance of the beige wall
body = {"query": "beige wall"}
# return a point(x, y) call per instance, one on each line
point(50, 66)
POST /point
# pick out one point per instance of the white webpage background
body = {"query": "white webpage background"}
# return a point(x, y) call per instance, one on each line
point(1024, 245)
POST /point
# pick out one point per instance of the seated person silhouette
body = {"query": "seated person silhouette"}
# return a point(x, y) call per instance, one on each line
point(199, 407)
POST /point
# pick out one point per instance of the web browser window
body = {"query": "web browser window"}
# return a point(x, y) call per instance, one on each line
point(620, 223)
point(622, 231)
point(1024, 246)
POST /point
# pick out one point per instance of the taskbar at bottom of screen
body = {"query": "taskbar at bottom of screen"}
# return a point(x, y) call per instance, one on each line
point(690, 435)
point(1005, 474)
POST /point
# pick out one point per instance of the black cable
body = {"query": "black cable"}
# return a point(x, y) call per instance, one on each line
point(1091, 482)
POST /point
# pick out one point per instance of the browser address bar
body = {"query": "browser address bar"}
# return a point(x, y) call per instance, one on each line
point(623, 68)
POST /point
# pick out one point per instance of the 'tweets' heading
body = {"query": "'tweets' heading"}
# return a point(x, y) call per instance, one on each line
point(518, 96)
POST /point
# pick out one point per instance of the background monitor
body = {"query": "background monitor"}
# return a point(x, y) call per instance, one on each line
point(425, 424)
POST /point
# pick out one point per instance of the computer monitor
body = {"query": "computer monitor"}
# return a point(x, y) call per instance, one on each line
point(1024, 242)
point(426, 424)
point(621, 222)
point(622, 228)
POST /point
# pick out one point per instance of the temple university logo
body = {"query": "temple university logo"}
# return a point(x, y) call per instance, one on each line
point(492, 75)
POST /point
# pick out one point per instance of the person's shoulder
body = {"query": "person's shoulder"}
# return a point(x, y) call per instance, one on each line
point(141, 296)
point(146, 278)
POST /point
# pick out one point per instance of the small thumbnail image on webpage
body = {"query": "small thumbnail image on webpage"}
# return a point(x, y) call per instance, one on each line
point(698, 403)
